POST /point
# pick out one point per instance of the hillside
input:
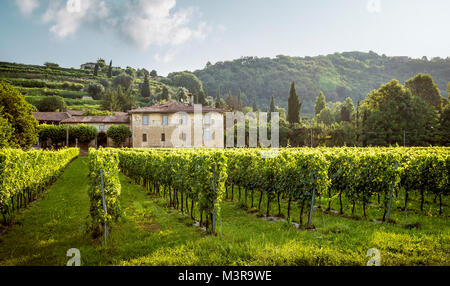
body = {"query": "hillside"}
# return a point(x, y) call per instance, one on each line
point(338, 75)
point(36, 82)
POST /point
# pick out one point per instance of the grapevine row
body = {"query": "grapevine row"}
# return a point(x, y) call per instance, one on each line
point(182, 176)
point(204, 177)
point(25, 174)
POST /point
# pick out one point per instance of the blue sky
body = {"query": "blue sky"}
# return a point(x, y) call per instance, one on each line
point(174, 35)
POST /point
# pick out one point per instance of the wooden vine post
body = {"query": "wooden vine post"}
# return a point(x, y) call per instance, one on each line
point(104, 204)
point(214, 189)
point(390, 196)
point(312, 202)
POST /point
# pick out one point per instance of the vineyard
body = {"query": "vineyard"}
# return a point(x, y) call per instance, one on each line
point(38, 82)
point(321, 206)
point(25, 175)
point(325, 178)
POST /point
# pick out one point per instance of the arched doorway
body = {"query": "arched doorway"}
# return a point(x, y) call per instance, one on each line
point(102, 139)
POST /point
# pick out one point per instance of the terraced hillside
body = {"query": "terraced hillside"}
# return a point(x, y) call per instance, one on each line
point(37, 82)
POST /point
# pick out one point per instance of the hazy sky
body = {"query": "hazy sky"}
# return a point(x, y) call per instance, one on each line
point(170, 35)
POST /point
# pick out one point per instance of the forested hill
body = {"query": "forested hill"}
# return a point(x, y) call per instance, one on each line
point(338, 75)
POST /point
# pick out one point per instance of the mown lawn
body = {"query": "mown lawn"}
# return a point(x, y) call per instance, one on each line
point(149, 233)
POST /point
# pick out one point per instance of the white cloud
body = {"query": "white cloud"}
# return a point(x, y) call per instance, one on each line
point(373, 6)
point(70, 16)
point(142, 22)
point(151, 22)
point(27, 7)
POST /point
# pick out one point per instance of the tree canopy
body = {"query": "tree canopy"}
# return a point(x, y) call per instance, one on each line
point(339, 75)
point(423, 86)
point(18, 113)
point(392, 113)
point(51, 104)
point(320, 103)
point(187, 80)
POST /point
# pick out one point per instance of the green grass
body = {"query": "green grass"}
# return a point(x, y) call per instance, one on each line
point(149, 233)
point(43, 233)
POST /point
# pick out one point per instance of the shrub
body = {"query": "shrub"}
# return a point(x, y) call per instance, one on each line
point(95, 90)
point(94, 112)
point(51, 103)
point(51, 65)
point(123, 80)
point(104, 82)
point(118, 133)
point(84, 133)
point(56, 133)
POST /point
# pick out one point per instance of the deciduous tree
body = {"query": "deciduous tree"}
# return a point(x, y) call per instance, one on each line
point(423, 86)
point(320, 103)
point(18, 113)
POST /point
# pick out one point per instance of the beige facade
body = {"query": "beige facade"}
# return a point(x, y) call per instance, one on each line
point(165, 125)
point(176, 130)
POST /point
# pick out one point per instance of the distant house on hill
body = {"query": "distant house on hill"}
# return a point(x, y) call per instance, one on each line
point(87, 66)
point(156, 78)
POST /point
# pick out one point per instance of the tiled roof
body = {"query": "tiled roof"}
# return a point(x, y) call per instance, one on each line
point(98, 119)
point(172, 107)
point(76, 112)
point(51, 116)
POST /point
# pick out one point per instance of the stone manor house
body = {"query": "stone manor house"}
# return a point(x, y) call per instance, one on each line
point(164, 125)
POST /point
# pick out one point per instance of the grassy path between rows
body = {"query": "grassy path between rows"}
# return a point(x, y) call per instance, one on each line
point(42, 233)
point(149, 233)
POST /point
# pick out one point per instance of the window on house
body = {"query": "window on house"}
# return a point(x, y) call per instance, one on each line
point(101, 127)
point(207, 134)
point(183, 136)
point(183, 120)
point(144, 137)
point(165, 120)
point(207, 119)
point(145, 120)
point(163, 137)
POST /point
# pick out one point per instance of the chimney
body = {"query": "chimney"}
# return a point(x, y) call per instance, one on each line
point(191, 98)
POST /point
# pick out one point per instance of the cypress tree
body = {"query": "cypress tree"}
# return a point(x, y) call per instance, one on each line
point(218, 94)
point(96, 70)
point(145, 88)
point(294, 106)
point(110, 69)
point(271, 109)
point(165, 94)
point(255, 105)
point(272, 105)
point(239, 98)
point(202, 98)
